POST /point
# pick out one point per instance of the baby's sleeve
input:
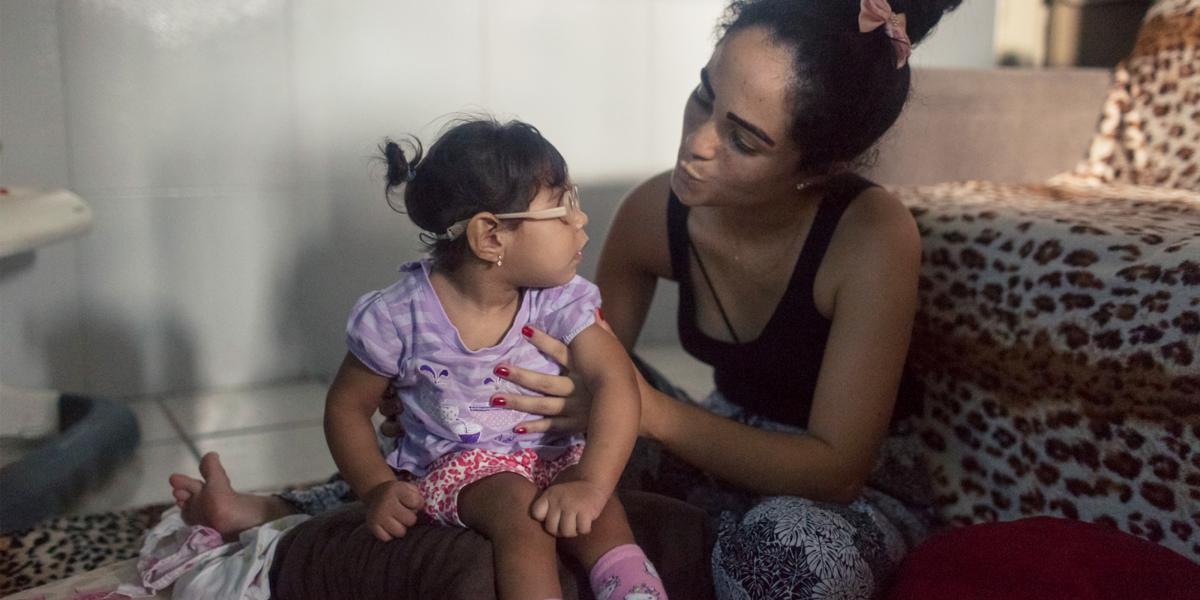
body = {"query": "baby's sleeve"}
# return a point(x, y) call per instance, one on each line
point(571, 310)
point(372, 335)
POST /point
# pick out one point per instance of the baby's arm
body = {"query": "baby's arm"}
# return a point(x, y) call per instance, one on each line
point(606, 370)
point(353, 398)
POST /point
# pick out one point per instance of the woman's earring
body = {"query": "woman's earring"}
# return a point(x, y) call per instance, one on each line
point(802, 185)
point(500, 260)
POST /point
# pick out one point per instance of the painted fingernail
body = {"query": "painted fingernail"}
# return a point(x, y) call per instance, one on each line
point(600, 312)
point(520, 430)
point(499, 401)
point(527, 331)
point(501, 371)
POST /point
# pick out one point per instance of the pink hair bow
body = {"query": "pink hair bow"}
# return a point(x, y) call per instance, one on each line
point(874, 13)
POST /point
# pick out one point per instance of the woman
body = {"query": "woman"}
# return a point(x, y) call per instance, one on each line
point(798, 283)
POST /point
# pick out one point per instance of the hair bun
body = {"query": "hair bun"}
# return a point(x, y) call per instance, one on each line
point(400, 169)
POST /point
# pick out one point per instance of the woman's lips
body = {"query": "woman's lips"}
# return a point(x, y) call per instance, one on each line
point(690, 172)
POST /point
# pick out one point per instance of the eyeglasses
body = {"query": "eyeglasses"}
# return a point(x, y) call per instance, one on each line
point(568, 210)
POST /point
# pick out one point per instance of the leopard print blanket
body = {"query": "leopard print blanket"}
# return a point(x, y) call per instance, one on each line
point(66, 546)
point(1058, 345)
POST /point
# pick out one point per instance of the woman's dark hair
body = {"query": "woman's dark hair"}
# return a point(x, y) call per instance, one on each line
point(846, 91)
point(477, 165)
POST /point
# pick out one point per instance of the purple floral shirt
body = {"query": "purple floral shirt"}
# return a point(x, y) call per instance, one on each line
point(402, 332)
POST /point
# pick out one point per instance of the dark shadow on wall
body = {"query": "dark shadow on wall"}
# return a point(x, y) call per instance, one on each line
point(92, 350)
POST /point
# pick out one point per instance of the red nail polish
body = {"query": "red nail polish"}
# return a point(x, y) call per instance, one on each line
point(527, 331)
point(501, 371)
point(520, 430)
point(600, 311)
point(499, 401)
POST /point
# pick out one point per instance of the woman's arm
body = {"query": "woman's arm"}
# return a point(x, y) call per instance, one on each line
point(635, 256)
point(878, 253)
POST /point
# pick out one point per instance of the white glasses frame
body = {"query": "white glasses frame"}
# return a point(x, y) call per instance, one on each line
point(566, 212)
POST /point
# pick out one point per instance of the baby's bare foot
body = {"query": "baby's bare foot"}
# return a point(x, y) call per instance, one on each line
point(212, 502)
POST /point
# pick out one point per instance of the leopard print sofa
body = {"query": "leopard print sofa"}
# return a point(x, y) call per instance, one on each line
point(1149, 130)
point(1058, 348)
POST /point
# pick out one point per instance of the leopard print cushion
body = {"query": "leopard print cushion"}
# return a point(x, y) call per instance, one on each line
point(1058, 348)
point(1149, 131)
point(66, 546)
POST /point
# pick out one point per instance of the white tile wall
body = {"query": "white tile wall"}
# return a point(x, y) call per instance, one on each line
point(33, 132)
point(682, 40)
point(579, 72)
point(177, 94)
point(226, 145)
point(40, 335)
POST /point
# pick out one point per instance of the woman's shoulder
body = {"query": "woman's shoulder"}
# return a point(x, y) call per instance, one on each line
point(876, 212)
point(876, 231)
point(649, 199)
point(639, 230)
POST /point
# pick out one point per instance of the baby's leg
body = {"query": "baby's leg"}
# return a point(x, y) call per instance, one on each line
point(613, 560)
point(498, 507)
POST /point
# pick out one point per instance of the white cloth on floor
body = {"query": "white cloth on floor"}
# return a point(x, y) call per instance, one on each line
point(202, 566)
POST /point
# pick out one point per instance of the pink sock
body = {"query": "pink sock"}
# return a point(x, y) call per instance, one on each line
point(625, 572)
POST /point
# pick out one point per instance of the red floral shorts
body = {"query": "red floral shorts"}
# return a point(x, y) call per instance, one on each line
point(450, 474)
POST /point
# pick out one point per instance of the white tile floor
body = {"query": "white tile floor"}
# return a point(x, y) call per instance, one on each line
point(268, 437)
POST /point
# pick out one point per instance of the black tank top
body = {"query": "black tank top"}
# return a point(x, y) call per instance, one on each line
point(775, 375)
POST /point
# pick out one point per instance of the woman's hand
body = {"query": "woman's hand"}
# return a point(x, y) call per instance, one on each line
point(391, 407)
point(566, 403)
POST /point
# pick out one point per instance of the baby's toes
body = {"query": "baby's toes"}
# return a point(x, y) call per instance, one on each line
point(185, 483)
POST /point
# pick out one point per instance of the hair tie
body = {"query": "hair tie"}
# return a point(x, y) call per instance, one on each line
point(874, 13)
point(411, 174)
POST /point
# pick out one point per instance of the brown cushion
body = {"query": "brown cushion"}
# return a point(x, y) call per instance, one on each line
point(333, 556)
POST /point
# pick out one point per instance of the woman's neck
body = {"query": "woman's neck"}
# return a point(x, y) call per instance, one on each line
point(760, 222)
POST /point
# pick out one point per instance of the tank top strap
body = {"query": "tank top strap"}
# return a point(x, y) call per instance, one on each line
point(843, 189)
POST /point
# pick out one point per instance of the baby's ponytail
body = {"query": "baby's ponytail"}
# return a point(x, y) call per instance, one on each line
point(400, 169)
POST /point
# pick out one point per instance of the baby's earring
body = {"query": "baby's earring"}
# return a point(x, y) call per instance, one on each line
point(500, 260)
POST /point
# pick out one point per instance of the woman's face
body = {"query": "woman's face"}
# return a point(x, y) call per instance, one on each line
point(735, 148)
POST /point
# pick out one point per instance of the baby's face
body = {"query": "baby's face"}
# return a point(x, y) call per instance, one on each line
point(547, 252)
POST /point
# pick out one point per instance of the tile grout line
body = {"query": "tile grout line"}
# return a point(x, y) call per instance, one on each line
point(256, 429)
point(183, 435)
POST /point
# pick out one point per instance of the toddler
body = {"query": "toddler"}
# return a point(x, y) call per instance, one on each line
point(505, 232)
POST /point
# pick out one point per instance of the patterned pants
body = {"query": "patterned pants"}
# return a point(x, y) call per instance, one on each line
point(449, 475)
point(777, 547)
point(787, 547)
